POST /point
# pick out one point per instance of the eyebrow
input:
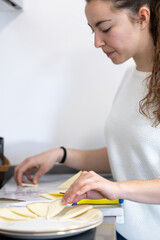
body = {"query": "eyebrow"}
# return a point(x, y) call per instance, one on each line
point(100, 22)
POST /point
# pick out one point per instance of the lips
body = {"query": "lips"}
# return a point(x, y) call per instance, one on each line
point(109, 53)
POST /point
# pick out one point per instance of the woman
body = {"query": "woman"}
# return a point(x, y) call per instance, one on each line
point(123, 29)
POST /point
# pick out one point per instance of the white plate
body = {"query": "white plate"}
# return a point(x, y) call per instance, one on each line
point(41, 228)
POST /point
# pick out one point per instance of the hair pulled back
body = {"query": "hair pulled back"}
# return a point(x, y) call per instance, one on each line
point(150, 104)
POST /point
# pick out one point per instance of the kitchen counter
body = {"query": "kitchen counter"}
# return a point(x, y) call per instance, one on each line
point(49, 183)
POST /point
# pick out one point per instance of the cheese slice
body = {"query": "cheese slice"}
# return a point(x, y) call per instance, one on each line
point(48, 196)
point(39, 208)
point(62, 213)
point(54, 208)
point(58, 193)
point(53, 195)
point(29, 185)
point(69, 182)
point(86, 216)
point(22, 211)
point(76, 210)
point(5, 213)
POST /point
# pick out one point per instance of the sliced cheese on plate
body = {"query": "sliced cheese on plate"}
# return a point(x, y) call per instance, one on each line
point(86, 216)
point(22, 211)
point(75, 211)
point(5, 213)
point(54, 208)
point(39, 208)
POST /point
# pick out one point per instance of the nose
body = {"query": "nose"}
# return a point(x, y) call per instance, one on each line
point(98, 40)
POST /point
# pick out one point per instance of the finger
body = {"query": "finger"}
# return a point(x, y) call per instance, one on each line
point(20, 177)
point(24, 180)
point(29, 172)
point(71, 195)
point(85, 188)
point(16, 169)
point(78, 198)
point(68, 198)
point(38, 174)
point(17, 175)
point(21, 169)
point(86, 182)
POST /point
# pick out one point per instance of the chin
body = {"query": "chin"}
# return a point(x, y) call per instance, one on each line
point(118, 61)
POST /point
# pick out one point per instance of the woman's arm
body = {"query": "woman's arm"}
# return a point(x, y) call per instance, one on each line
point(142, 191)
point(96, 160)
point(91, 185)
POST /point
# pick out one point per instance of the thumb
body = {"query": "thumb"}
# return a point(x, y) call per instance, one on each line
point(37, 175)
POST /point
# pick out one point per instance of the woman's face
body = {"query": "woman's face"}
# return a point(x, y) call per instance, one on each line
point(115, 33)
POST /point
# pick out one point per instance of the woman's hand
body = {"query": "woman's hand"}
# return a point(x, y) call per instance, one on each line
point(92, 186)
point(42, 163)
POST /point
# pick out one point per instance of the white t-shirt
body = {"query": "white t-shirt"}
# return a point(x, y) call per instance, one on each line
point(134, 153)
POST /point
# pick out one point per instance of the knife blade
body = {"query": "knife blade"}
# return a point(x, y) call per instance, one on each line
point(9, 200)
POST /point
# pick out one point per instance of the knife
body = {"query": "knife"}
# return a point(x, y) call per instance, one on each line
point(9, 200)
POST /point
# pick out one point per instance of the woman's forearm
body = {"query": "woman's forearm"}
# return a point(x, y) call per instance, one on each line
point(143, 191)
point(92, 185)
point(96, 160)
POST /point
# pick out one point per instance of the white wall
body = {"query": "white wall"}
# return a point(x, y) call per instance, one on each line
point(55, 87)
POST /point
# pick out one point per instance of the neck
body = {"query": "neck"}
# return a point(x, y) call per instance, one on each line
point(144, 57)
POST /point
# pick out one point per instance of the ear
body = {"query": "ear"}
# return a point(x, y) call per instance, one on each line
point(144, 17)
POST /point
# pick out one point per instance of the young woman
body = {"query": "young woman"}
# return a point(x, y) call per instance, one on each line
point(123, 29)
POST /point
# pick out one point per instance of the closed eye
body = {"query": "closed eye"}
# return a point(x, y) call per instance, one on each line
point(107, 30)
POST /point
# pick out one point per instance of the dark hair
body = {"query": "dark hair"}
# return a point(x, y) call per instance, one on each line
point(150, 104)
